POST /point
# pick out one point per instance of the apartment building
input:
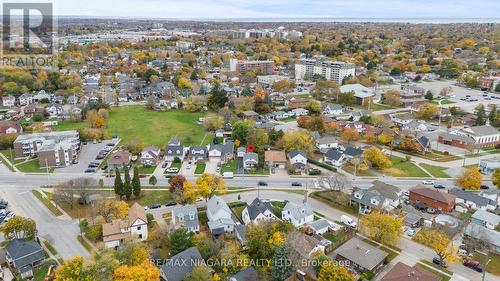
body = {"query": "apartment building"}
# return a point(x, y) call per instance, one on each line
point(330, 70)
point(266, 67)
point(54, 149)
point(412, 95)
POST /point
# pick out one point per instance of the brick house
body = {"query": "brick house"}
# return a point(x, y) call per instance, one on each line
point(433, 198)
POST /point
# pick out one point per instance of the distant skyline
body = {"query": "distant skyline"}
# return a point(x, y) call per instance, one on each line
point(238, 9)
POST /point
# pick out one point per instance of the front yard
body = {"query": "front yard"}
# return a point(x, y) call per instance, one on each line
point(32, 166)
point(402, 168)
point(435, 171)
point(228, 167)
point(200, 168)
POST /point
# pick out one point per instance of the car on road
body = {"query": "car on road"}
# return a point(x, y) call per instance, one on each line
point(8, 216)
point(438, 261)
point(170, 204)
point(75, 161)
point(200, 199)
point(410, 232)
point(439, 186)
point(296, 183)
point(473, 265)
point(262, 183)
point(155, 206)
point(188, 166)
point(484, 187)
point(172, 170)
point(142, 176)
point(104, 167)
point(428, 182)
point(164, 165)
point(89, 170)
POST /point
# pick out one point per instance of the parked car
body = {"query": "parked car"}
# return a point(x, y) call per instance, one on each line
point(170, 204)
point(75, 161)
point(438, 261)
point(262, 183)
point(89, 170)
point(439, 186)
point(9, 216)
point(428, 182)
point(188, 166)
point(104, 167)
point(200, 199)
point(296, 183)
point(172, 170)
point(484, 187)
point(142, 176)
point(473, 265)
point(410, 232)
point(164, 165)
point(155, 206)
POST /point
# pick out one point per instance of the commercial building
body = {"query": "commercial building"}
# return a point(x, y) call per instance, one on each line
point(330, 70)
point(477, 136)
point(488, 166)
point(266, 67)
point(54, 149)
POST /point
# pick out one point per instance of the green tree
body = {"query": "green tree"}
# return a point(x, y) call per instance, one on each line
point(119, 188)
point(493, 116)
point(199, 273)
point(429, 96)
point(495, 178)
point(347, 98)
point(127, 187)
point(179, 240)
point(19, 228)
point(218, 97)
point(480, 115)
point(152, 180)
point(136, 183)
point(282, 267)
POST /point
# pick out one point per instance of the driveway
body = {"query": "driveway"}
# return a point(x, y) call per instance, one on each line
point(211, 166)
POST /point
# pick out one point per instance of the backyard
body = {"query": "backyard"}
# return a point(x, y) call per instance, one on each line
point(150, 127)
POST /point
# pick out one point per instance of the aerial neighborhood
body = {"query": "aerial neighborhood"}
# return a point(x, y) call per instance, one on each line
point(165, 150)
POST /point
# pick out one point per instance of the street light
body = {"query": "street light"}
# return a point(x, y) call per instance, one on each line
point(485, 266)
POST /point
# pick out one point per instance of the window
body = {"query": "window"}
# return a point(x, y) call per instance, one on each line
point(138, 228)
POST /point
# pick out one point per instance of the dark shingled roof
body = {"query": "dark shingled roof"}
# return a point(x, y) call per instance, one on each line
point(258, 207)
point(24, 253)
point(180, 265)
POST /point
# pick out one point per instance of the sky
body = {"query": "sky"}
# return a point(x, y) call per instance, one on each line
point(216, 9)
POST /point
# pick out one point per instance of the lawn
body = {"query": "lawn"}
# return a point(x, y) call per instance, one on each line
point(32, 166)
point(40, 272)
point(278, 207)
point(334, 237)
point(229, 167)
point(150, 127)
point(435, 171)
point(401, 168)
point(237, 208)
point(151, 197)
point(200, 168)
point(493, 266)
point(337, 200)
point(436, 266)
point(360, 173)
point(45, 201)
point(443, 276)
point(146, 170)
point(175, 165)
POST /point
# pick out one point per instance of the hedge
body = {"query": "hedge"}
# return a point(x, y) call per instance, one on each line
point(323, 165)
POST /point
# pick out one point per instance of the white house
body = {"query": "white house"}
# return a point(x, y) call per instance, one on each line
point(41, 96)
point(299, 112)
point(486, 219)
point(335, 157)
point(219, 216)
point(54, 110)
point(250, 160)
point(323, 225)
point(473, 201)
point(297, 215)
point(327, 142)
point(8, 101)
point(258, 211)
point(297, 158)
point(332, 109)
point(134, 226)
point(150, 155)
point(25, 99)
point(186, 216)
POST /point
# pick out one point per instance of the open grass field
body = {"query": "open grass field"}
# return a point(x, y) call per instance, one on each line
point(401, 168)
point(493, 266)
point(32, 166)
point(150, 127)
point(435, 171)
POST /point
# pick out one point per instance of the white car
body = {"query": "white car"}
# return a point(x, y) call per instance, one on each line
point(188, 166)
point(428, 182)
point(410, 232)
point(8, 217)
point(172, 170)
point(200, 199)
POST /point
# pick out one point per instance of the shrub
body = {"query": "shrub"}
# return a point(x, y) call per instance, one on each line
point(150, 218)
point(177, 160)
point(94, 232)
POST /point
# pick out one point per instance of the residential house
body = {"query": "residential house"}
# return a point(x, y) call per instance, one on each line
point(219, 216)
point(25, 99)
point(58, 100)
point(381, 197)
point(198, 153)
point(8, 101)
point(135, 225)
point(304, 245)
point(258, 211)
point(241, 151)
point(334, 157)
point(473, 201)
point(486, 219)
point(278, 115)
point(8, 127)
point(413, 219)
point(493, 194)
point(323, 144)
point(298, 159)
point(250, 115)
point(432, 198)
point(23, 256)
point(483, 234)
point(332, 109)
point(223, 151)
point(42, 96)
point(174, 149)
point(73, 99)
point(455, 140)
point(247, 274)
point(403, 272)
point(54, 110)
point(250, 160)
point(295, 103)
point(186, 216)
point(178, 267)
point(352, 152)
point(150, 155)
point(119, 159)
point(275, 159)
point(424, 144)
point(488, 166)
point(299, 112)
point(322, 226)
point(360, 256)
point(298, 215)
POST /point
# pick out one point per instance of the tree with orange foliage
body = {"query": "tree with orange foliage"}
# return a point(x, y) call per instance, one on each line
point(350, 134)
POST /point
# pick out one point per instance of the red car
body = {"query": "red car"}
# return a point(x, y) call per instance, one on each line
point(473, 265)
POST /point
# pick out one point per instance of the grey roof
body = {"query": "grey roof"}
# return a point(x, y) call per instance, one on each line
point(333, 106)
point(258, 207)
point(198, 150)
point(251, 156)
point(319, 224)
point(387, 190)
point(225, 149)
point(361, 253)
point(424, 141)
point(412, 218)
point(327, 140)
point(450, 137)
point(482, 233)
point(486, 217)
point(353, 151)
point(472, 197)
point(367, 196)
point(248, 274)
point(484, 130)
point(180, 265)
point(24, 253)
point(296, 152)
point(217, 206)
point(185, 212)
point(298, 211)
point(333, 154)
point(240, 230)
point(174, 150)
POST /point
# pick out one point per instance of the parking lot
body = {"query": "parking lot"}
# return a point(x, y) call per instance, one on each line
point(88, 154)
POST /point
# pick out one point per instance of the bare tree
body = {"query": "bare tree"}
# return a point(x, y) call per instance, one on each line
point(338, 182)
point(80, 188)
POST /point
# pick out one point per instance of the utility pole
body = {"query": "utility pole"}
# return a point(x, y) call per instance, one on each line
point(47, 171)
point(484, 269)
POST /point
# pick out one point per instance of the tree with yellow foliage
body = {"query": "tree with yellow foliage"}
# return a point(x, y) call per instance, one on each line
point(142, 272)
point(184, 83)
point(382, 227)
point(495, 178)
point(350, 134)
point(73, 270)
point(384, 139)
point(332, 272)
point(297, 140)
point(38, 128)
point(209, 184)
point(471, 179)
point(377, 158)
point(438, 241)
point(112, 209)
point(427, 111)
